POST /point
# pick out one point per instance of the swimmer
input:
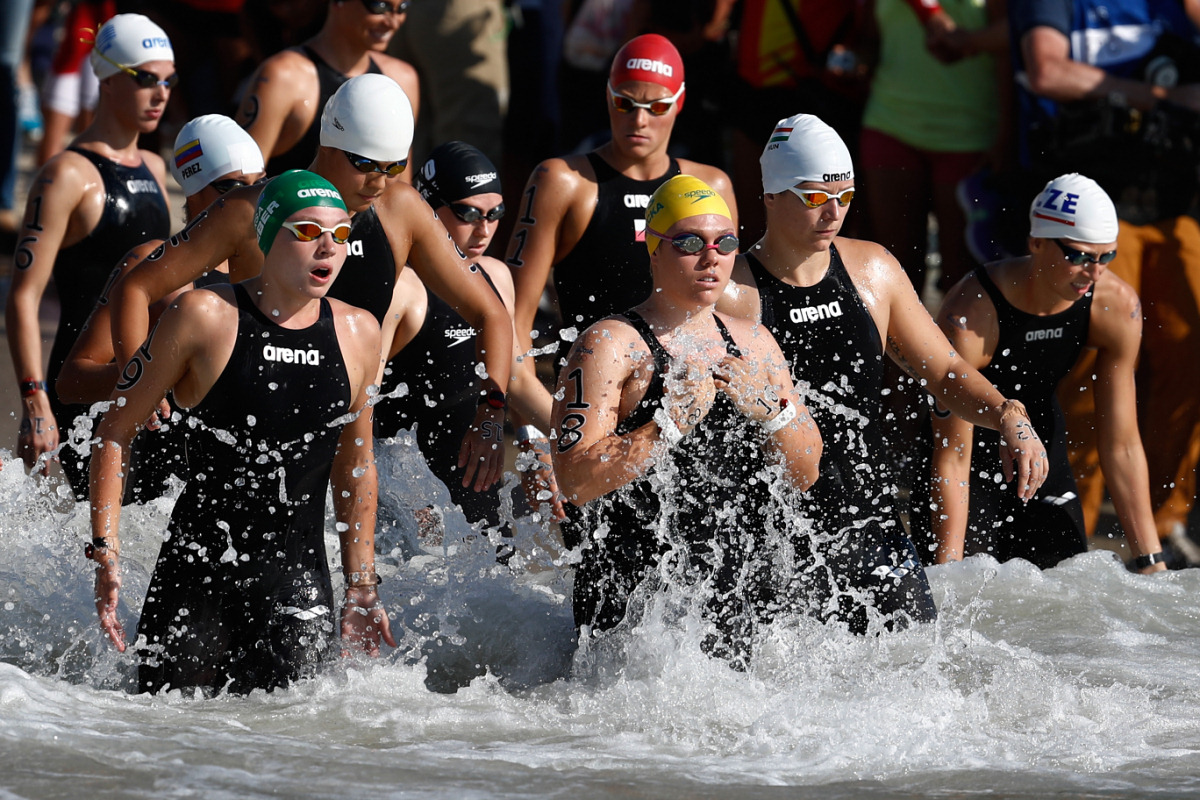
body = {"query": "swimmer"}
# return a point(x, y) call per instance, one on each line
point(279, 109)
point(366, 131)
point(431, 352)
point(1023, 323)
point(581, 217)
point(212, 156)
point(837, 306)
point(673, 379)
point(87, 207)
point(275, 375)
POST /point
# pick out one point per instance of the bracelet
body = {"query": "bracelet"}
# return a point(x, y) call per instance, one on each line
point(30, 387)
point(1012, 407)
point(786, 414)
point(97, 544)
point(667, 428)
point(363, 580)
point(527, 433)
point(1149, 560)
point(494, 398)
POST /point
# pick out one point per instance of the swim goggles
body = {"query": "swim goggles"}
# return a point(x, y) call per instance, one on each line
point(229, 184)
point(1078, 258)
point(384, 7)
point(307, 230)
point(470, 214)
point(691, 244)
point(627, 105)
point(815, 198)
point(366, 165)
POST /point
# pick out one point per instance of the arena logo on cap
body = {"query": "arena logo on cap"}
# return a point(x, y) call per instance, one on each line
point(650, 65)
point(157, 41)
point(318, 192)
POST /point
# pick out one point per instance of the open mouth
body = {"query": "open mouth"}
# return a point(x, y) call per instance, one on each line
point(322, 273)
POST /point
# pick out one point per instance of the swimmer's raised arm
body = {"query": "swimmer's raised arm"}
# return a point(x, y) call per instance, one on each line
point(223, 231)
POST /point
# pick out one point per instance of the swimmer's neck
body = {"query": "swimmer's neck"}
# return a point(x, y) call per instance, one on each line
point(287, 309)
point(666, 316)
point(792, 263)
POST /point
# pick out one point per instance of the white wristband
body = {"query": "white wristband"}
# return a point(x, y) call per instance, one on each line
point(527, 433)
point(667, 428)
point(776, 423)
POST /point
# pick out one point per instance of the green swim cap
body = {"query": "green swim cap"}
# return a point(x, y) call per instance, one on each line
point(287, 194)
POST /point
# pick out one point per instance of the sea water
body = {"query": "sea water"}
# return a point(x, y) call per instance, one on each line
point(1080, 681)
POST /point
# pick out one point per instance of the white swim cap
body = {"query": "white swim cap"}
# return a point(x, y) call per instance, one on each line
point(370, 116)
point(129, 40)
point(803, 148)
point(1073, 207)
point(209, 147)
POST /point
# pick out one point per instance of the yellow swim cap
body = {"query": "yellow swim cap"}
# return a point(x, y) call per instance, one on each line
point(682, 196)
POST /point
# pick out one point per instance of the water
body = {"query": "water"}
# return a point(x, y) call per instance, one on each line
point(1076, 682)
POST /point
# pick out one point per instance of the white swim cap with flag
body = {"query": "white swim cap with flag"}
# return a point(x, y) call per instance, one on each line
point(129, 40)
point(209, 147)
point(370, 116)
point(803, 148)
point(1073, 207)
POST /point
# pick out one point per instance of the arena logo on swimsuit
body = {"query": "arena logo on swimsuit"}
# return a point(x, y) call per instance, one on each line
point(814, 313)
point(637, 200)
point(1045, 333)
point(290, 355)
point(141, 186)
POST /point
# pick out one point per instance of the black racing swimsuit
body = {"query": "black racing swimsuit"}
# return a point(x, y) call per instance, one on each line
point(135, 211)
point(607, 272)
point(241, 596)
point(368, 276)
point(704, 526)
point(438, 367)
point(836, 355)
point(1032, 355)
point(302, 153)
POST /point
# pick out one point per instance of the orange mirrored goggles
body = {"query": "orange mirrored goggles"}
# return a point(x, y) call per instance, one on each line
point(307, 230)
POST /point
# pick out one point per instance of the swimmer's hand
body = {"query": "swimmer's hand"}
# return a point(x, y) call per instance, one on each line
point(108, 586)
point(748, 386)
point(364, 621)
point(538, 481)
point(162, 413)
point(37, 437)
point(1022, 448)
point(481, 457)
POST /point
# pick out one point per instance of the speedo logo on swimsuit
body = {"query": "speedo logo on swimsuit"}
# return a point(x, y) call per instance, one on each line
point(141, 186)
point(480, 179)
point(1045, 333)
point(814, 313)
point(291, 355)
point(459, 335)
point(637, 200)
point(649, 65)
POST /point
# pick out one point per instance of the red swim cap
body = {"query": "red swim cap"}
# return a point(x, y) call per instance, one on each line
point(650, 58)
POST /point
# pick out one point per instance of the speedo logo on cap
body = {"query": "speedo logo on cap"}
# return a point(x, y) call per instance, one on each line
point(480, 179)
point(649, 65)
point(700, 194)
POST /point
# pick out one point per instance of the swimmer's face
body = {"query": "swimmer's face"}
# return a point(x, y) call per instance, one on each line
point(359, 190)
point(472, 238)
point(639, 133)
point(694, 279)
point(142, 107)
point(371, 31)
point(218, 187)
point(309, 267)
point(814, 227)
point(1052, 262)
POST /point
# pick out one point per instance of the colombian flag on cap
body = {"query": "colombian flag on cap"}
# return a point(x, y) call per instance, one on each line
point(188, 152)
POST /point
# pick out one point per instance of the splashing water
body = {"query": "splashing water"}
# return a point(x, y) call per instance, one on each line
point(1081, 680)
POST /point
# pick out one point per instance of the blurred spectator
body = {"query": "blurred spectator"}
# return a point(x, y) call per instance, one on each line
point(458, 50)
point(595, 30)
point(14, 26)
point(213, 52)
point(930, 122)
point(1109, 88)
point(273, 25)
point(71, 90)
point(792, 57)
